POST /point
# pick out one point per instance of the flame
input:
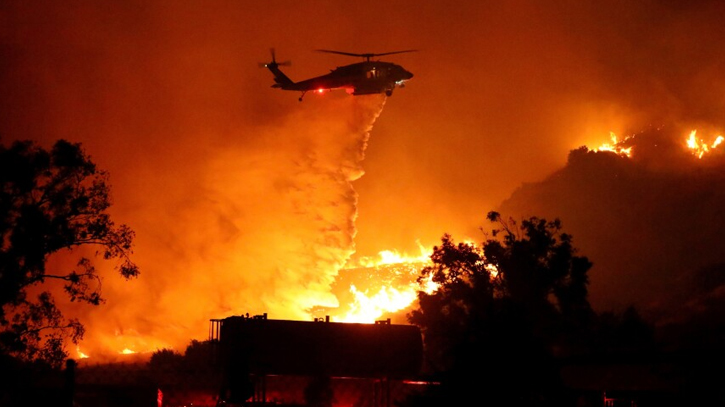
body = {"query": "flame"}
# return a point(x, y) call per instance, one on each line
point(80, 354)
point(122, 344)
point(695, 145)
point(616, 146)
point(428, 286)
point(368, 308)
point(698, 147)
point(387, 257)
point(492, 270)
point(371, 303)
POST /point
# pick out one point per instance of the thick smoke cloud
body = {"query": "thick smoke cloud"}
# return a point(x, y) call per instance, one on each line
point(260, 229)
point(219, 174)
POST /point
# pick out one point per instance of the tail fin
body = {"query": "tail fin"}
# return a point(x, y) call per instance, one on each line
point(279, 77)
point(281, 80)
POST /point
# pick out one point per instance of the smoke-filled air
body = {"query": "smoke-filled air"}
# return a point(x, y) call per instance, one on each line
point(245, 200)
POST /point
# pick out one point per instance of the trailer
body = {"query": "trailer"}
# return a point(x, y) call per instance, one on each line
point(254, 350)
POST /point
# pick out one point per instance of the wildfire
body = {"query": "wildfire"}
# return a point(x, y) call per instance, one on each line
point(394, 257)
point(698, 147)
point(80, 354)
point(398, 274)
point(121, 346)
point(617, 146)
point(368, 308)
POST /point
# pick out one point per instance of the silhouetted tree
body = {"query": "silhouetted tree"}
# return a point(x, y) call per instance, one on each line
point(166, 359)
point(199, 356)
point(50, 201)
point(620, 333)
point(165, 365)
point(501, 314)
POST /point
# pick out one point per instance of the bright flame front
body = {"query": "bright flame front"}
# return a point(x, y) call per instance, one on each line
point(617, 146)
point(389, 284)
point(699, 147)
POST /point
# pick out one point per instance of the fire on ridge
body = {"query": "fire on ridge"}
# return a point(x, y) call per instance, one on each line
point(696, 146)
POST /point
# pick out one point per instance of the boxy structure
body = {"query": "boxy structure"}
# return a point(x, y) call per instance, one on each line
point(254, 350)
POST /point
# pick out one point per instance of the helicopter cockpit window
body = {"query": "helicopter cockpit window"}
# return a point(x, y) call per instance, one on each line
point(373, 73)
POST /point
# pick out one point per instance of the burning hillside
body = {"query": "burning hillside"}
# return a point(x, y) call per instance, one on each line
point(647, 211)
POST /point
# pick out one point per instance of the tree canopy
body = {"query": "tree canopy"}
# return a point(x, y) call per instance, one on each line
point(502, 312)
point(51, 200)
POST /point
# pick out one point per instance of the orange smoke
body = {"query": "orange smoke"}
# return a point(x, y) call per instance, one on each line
point(263, 229)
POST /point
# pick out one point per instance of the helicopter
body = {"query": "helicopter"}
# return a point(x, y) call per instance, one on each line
point(361, 78)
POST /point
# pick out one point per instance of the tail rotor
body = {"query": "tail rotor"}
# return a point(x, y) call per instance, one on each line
point(274, 63)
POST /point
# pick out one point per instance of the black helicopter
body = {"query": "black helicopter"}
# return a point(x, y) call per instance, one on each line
point(362, 78)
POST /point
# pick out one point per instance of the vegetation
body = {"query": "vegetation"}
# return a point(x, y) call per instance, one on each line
point(505, 313)
point(197, 358)
point(51, 201)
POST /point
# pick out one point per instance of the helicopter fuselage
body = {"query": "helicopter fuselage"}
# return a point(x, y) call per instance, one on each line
point(362, 78)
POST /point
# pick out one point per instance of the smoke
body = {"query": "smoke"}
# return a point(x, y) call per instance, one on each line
point(259, 229)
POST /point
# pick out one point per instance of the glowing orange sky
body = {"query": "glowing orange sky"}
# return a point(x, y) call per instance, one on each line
point(205, 157)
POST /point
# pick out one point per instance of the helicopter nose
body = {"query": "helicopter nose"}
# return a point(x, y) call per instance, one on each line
point(407, 75)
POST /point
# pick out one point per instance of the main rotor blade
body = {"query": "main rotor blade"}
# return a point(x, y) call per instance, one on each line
point(367, 55)
point(341, 53)
point(396, 52)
